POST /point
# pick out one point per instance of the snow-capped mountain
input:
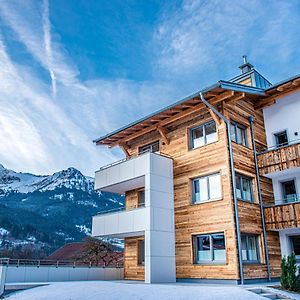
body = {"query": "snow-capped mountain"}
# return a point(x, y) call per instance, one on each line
point(49, 210)
point(26, 183)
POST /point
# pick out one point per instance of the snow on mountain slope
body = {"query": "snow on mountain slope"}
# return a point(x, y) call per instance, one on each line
point(26, 183)
point(14, 181)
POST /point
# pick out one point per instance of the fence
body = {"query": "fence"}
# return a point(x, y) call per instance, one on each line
point(26, 271)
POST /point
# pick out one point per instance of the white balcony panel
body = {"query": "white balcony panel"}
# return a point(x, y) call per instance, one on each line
point(130, 174)
point(121, 224)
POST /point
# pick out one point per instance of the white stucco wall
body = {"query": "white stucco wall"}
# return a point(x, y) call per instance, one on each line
point(279, 177)
point(283, 115)
point(285, 244)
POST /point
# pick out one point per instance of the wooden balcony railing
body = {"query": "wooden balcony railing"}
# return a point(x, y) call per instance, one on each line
point(278, 159)
point(282, 216)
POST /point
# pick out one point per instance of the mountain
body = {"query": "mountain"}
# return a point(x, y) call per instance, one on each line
point(47, 211)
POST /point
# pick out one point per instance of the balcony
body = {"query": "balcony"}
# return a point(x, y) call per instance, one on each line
point(283, 215)
point(126, 175)
point(276, 159)
point(154, 220)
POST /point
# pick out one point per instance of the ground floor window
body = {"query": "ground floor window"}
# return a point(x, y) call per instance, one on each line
point(295, 243)
point(210, 248)
point(141, 252)
point(250, 248)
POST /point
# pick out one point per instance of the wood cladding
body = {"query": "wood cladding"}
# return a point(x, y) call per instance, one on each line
point(132, 270)
point(213, 216)
point(282, 216)
point(279, 159)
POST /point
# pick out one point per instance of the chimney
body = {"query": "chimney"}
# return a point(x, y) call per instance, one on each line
point(246, 66)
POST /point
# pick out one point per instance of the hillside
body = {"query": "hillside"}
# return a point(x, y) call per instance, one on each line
point(50, 210)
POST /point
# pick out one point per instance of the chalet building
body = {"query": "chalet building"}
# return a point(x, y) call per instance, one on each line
point(210, 182)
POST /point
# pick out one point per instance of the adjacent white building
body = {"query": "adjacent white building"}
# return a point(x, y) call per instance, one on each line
point(282, 124)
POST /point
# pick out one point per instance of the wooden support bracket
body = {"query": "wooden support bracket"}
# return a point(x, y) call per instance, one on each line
point(124, 147)
point(163, 132)
point(215, 117)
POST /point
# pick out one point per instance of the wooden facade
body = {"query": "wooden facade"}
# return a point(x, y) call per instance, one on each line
point(215, 216)
point(279, 159)
point(282, 216)
point(171, 128)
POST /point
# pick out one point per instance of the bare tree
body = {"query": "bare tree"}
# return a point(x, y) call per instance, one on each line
point(98, 252)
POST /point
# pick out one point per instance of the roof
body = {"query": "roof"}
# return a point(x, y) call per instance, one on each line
point(219, 91)
point(68, 251)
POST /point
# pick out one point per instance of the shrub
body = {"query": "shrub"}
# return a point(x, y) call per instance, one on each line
point(290, 277)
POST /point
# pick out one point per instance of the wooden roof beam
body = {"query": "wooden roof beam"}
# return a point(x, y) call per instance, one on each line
point(163, 132)
point(236, 98)
point(175, 117)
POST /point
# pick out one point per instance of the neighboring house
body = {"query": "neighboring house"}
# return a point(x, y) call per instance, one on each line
point(194, 209)
point(77, 252)
point(281, 163)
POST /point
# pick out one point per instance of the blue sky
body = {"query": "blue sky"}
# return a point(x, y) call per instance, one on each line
point(71, 71)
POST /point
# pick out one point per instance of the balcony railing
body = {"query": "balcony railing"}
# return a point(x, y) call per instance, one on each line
point(131, 157)
point(275, 159)
point(120, 209)
point(56, 263)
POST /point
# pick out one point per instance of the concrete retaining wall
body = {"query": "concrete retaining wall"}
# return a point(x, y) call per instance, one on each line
point(60, 273)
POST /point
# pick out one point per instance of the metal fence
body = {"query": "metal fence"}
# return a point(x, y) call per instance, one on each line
point(56, 263)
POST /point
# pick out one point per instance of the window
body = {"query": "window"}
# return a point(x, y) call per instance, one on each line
point(249, 248)
point(153, 147)
point(202, 135)
point(207, 188)
point(289, 191)
point(210, 248)
point(238, 134)
point(295, 245)
point(244, 188)
point(141, 198)
point(141, 252)
point(281, 139)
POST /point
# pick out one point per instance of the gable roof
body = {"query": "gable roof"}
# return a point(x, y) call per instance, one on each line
point(220, 91)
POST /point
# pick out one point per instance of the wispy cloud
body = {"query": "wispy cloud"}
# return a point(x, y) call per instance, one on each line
point(201, 35)
point(47, 44)
point(43, 133)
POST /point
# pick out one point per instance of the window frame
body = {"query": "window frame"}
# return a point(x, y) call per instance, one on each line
point(141, 253)
point(150, 145)
point(282, 183)
point(247, 235)
point(244, 130)
point(276, 134)
point(141, 204)
point(208, 188)
point(191, 140)
point(212, 261)
point(242, 177)
point(292, 246)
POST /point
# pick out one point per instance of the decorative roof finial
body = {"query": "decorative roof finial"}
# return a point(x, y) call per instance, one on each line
point(246, 66)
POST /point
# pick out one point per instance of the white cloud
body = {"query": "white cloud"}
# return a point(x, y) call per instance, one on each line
point(43, 133)
point(199, 35)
